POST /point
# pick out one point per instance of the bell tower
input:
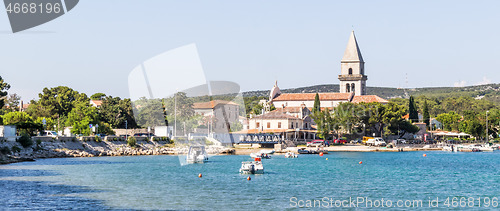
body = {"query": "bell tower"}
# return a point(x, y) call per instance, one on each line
point(352, 69)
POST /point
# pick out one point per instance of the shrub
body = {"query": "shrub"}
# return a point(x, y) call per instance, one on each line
point(38, 142)
point(16, 149)
point(131, 142)
point(97, 138)
point(25, 140)
point(5, 150)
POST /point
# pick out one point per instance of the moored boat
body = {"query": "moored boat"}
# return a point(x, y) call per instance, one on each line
point(252, 167)
point(291, 155)
point(197, 154)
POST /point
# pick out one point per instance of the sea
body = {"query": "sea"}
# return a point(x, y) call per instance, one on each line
point(418, 180)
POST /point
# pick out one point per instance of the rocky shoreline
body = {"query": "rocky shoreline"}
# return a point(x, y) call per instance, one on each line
point(77, 148)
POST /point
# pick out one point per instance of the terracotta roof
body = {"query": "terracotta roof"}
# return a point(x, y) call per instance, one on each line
point(25, 106)
point(311, 96)
point(290, 109)
point(96, 102)
point(275, 115)
point(212, 104)
point(368, 99)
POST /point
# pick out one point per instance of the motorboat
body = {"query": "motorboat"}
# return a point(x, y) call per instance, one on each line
point(197, 154)
point(260, 155)
point(451, 148)
point(291, 155)
point(311, 151)
point(267, 151)
point(252, 167)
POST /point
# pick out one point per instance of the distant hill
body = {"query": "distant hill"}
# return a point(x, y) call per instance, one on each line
point(489, 92)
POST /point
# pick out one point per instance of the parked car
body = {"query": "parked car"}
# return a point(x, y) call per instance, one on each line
point(102, 135)
point(376, 142)
point(400, 141)
point(144, 134)
point(340, 141)
point(50, 133)
point(357, 141)
point(316, 143)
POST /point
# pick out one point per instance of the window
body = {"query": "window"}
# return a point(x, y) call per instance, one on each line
point(257, 125)
point(291, 125)
point(279, 124)
point(296, 125)
point(268, 125)
point(347, 88)
point(350, 71)
point(352, 87)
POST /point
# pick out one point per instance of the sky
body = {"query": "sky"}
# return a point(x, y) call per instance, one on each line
point(95, 46)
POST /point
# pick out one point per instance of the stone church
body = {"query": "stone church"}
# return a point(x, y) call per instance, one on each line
point(352, 85)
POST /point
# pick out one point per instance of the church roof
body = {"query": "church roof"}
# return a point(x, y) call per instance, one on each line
point(369, 99)
point(352, 52)
point(311, 96)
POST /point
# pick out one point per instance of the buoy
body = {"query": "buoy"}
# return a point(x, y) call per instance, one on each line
point(199, 175)
point(425, 155)
point(360, 162)
point(320, 154)
point(326, 158)
point(249, 178)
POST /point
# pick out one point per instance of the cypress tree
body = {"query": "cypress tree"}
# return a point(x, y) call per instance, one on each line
point(412, 110)
point(317, 105)
point(426, 115)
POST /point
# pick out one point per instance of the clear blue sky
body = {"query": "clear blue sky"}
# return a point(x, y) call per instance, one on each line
point(253, 43)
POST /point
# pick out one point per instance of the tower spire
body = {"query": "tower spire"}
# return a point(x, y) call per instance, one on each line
point(352, 52)
point(352, 77)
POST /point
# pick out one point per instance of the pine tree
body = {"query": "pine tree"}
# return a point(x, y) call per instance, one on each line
point(412, 110)
point(317, 105)
point(426, 114)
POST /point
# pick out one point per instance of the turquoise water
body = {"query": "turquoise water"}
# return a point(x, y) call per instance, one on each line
point(160, 182)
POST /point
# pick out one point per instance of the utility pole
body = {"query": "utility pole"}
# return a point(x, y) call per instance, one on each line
point(487, 126)
point(175, 114)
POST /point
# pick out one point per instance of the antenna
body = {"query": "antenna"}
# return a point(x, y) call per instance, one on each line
point(406, 86)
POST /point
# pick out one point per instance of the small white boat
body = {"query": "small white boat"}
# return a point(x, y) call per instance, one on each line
point(267, 151)
point(291, 155)
point(450, 148)
point(252, 167)
point(197, 154)
point(260, 155)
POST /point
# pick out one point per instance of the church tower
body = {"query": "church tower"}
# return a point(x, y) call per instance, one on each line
point(352, 71)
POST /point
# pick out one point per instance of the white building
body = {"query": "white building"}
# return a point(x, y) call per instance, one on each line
point(221, 114)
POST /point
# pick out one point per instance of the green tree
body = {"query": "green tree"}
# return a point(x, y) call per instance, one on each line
point(23, 122)
point(13, 102)
point(150, 112)
point(257, 109)
point(3, 91)
point(56, 102)
point(81, 117)
point(412, 110)
point(115, 111)
point(324, 123)
point(98, 96)
point(317, 104)
point(449, 120)
point(426, 114)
